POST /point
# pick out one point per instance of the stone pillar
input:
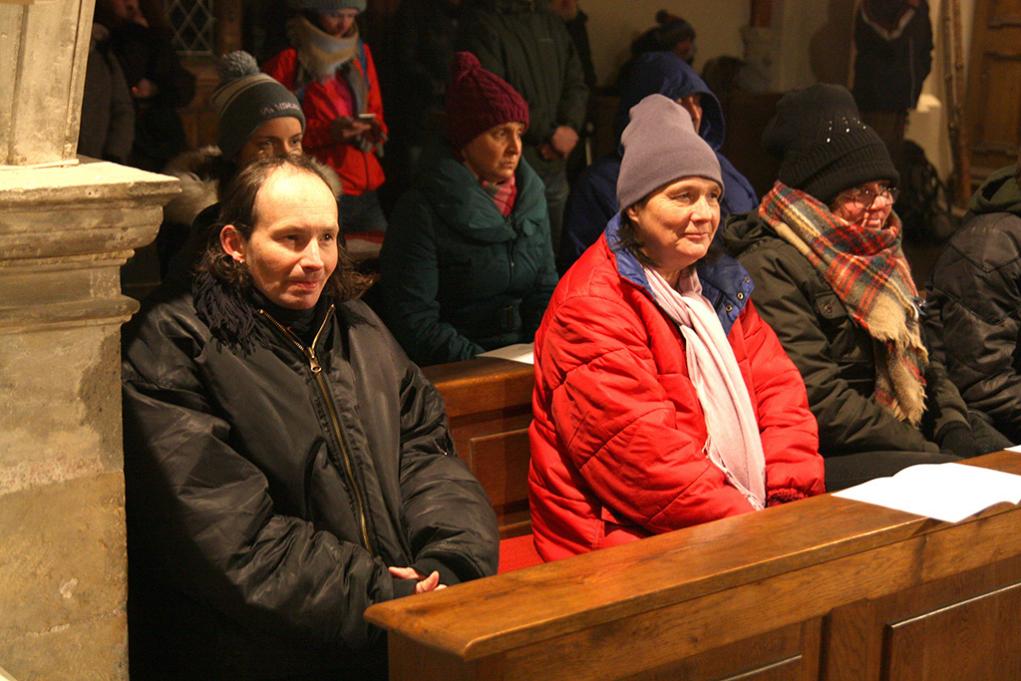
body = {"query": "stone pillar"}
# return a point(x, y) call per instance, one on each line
point(66, 226)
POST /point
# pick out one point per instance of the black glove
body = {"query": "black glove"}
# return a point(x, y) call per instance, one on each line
point(958, 439)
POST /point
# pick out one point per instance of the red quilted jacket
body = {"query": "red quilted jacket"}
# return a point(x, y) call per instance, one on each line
point(618, 432)
point(322, 102)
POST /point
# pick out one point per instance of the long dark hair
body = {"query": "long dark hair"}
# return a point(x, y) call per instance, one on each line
point(237, 208)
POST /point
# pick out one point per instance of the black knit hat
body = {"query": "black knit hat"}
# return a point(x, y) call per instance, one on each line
point(246, 99)
point(824, 145)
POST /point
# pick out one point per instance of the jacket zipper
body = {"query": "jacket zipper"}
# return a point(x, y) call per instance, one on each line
point(338, 433)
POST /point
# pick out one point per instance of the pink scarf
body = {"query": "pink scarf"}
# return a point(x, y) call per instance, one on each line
point(733, 444)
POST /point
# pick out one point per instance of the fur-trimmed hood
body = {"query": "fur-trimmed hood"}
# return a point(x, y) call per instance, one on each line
point(198, 170)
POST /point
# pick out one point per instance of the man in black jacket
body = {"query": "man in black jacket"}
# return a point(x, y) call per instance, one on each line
point(286, 465)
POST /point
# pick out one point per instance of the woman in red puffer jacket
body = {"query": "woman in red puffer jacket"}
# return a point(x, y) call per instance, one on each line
point(662, 399)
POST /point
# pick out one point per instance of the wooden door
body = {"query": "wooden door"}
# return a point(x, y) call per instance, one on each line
point(993, 111)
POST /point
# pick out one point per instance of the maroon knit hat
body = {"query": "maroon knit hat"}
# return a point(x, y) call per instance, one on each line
point(478, 99)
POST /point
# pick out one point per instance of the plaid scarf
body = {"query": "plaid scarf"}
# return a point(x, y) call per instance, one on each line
point(868, 272)
point(504, 194)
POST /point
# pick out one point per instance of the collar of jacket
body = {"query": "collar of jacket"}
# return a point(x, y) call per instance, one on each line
point(458, 198)
point(725, 282)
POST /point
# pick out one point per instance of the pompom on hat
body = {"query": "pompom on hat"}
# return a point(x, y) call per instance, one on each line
point(661, 146)
point(823, 144)
point(247, 98)
point(478, 99)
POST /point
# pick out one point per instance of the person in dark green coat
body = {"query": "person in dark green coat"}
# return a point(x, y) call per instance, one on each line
point(526, 44)
point(467, 264)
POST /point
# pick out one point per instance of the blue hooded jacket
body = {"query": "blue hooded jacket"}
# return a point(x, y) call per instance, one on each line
point(593, 200)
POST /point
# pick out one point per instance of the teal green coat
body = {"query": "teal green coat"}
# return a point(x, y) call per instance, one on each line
point(458, 278)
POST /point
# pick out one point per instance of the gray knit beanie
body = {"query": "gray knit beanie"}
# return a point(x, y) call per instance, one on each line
point(660, 146)
point(246, 99)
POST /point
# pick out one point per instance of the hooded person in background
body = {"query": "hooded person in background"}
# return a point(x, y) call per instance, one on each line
point(662, 400)
point(831, 279)
point(331, 70)
point(973, 302)
point(286, 465)
point(593, 200)
point(258, 118)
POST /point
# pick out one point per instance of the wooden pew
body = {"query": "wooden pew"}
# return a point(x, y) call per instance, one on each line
point(821, 589)
point(489, 404)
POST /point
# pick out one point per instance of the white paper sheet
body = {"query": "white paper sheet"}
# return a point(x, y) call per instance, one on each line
point(949, 491)
point(520, 352)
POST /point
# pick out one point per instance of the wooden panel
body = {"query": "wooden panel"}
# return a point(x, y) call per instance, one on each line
point(993, 100)
point(500, 462)
point(974, 640)
point(787, 654)
point(721, 600)
point(489, 403)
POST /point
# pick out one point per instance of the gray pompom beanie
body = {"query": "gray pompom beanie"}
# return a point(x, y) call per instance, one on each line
point(661, 146)
point(247, 98)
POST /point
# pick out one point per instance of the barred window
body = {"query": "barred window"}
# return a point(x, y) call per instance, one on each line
point(192, 24)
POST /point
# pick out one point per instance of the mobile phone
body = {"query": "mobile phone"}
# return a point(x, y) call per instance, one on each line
point(368, 116)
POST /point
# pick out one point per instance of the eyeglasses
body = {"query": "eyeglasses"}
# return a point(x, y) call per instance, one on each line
point(866, 196)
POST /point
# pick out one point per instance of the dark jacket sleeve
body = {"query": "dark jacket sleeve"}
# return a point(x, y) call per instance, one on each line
point(410, 284)
point(217, 525)
point(977, 320)
point(121, 133)
point(450, 522)
point(848, 421)
point(573, 105)
point(790, 436)
point(533, 306)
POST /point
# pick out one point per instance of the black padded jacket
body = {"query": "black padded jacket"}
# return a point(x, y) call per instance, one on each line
point(973, 310)
point(269, 488)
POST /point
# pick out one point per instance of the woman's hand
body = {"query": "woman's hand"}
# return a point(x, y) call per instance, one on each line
point(346, 129)
point(425, 584)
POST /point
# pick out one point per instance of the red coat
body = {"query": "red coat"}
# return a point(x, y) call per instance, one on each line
point(323, 101)
point(618, 432)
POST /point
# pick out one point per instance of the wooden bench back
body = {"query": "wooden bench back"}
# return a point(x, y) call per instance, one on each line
point(821, 589)
point(489, 404)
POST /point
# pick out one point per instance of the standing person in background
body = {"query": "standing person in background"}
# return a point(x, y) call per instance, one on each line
point(893, 43)
point(108, 115)
point(425, 35)
point(158, 83)
point(527, 45)
point(331, 71)
point(670, 34)
point(258, 118)
point(467, 265)
point(824, 251)
point(593, 200)
point(662, 400)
